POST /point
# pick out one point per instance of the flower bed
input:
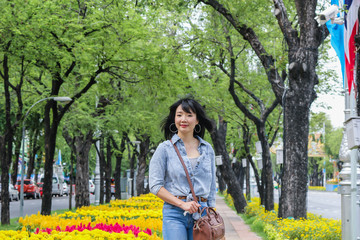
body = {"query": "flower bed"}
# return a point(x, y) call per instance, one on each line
point(135, 218)
point(317, 188)
point(312, 228)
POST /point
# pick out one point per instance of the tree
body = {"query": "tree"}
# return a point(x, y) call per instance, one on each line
point(81, 144)
point(13, 70)
point(303, 41)
point(214, 56)
point(108, 169)
point(73, 47)
point(119, 151)
point(142, 164)
point(331, 138)
point(333, 142)
point(218, 137)
point(34, 145)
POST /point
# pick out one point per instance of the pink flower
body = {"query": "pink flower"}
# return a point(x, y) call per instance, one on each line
point(101, 226)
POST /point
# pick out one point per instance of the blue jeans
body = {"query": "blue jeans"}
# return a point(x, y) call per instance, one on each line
point(176, 225)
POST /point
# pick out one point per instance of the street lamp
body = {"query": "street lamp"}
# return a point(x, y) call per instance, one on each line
point(58, 99)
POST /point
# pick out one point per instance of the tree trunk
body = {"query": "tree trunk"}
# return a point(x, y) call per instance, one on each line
point(315, 180)
point(108, 171)
point(71, 143)
point(294, 181)
point(33, 147)
point(221, 182)
point(6, 146)
point(102, 169)
point(250, 162)
point(247, 178)
point(51, 124)
point(321, 178)
point(239, 172)
point(132, 177)
point(83, 145)
point(267, 171)
point(15, 163)
point(71, 182)
point(142, 166)
point(118, 156)
point(37, 166)
point(218, 137)
point(246, 139)
point(4, 156)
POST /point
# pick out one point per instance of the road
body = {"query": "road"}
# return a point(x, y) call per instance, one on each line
point(326, 204)
point(33, 206)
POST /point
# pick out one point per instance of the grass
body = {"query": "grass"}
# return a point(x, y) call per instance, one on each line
point(14, 225)
point(255, 226)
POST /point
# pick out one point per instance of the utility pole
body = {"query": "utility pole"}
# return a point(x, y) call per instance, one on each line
point(349, 185)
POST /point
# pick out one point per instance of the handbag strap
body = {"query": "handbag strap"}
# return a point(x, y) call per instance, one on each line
point(186, 171)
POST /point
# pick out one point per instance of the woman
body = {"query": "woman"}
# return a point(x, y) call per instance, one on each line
point(185, 126)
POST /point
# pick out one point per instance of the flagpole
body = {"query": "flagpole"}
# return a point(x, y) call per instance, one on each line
point(355, 184)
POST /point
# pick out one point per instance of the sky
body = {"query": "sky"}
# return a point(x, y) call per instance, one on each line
point(336, 102)
point(336, 113)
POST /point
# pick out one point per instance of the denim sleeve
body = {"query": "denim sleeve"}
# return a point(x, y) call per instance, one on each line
point(157, 169)
point(211, 198)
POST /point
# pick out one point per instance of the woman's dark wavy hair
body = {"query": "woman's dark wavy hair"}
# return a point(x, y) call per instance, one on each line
point(187, 104)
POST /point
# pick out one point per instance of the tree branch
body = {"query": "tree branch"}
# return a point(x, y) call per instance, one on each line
point(67, 73)
point(91, 82)
point(290, 34)
point(270, 109)
point(237, 101)
point(252, 95)
point(249, 35)
point(276, 130)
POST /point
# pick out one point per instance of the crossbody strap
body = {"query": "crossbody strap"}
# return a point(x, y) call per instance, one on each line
point(186, 171)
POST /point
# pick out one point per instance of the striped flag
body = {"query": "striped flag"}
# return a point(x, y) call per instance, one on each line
point(337, 39)
point(350, 30)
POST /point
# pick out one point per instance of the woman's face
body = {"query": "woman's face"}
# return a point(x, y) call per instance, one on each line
point(185, 122)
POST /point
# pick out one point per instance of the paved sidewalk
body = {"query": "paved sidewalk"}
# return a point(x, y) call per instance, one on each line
point(235, 227)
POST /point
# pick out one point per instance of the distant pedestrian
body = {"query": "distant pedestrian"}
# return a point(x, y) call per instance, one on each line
point(185, 126)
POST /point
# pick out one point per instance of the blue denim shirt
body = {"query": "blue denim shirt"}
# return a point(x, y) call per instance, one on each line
point(167, 171)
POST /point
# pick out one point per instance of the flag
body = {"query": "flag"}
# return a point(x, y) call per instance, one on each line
point(351, 24)
point(337, 39)
point(59, 158)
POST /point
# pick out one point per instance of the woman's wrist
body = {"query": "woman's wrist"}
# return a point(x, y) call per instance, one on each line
point(180, 204)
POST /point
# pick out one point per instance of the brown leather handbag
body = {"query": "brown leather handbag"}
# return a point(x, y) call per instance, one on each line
point(210, 226)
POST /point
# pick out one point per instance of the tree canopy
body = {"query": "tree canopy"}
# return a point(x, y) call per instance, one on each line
point(124, 63)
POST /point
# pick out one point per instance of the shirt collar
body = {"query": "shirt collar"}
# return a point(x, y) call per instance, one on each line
point(176, 138)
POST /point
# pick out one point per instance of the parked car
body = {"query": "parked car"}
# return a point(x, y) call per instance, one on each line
point(91, 187)
point(40, 185)
point(30, 188)
point(13, 193)
point(65, 189)
point(57, 185)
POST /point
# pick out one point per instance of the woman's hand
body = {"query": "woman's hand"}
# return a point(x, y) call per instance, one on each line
point(190, 207)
